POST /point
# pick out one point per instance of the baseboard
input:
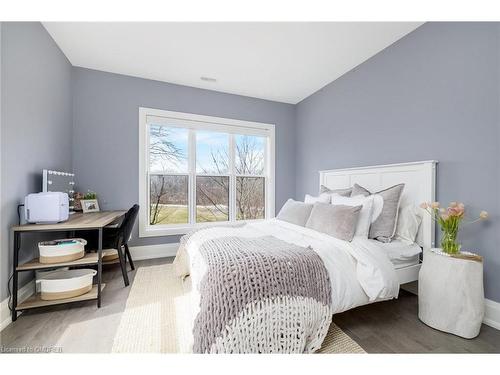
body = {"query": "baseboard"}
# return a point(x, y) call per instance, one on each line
point(22, 294)
point(154, 251)
point(492, 314)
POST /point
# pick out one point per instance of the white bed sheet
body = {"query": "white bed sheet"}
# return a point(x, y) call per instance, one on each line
point(400, 253)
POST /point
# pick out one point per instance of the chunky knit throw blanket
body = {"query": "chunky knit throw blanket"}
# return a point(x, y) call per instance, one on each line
point(261, 295)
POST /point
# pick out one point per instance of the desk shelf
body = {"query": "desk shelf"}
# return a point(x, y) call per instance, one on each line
point(36, 301)
point(77, 222)
point(109, 262)
point(34, 264)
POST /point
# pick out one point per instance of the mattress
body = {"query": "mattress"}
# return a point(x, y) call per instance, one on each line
point(400, 253)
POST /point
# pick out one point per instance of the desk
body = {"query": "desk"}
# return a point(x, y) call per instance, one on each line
point(77, 221)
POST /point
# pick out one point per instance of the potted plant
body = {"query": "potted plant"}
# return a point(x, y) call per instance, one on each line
point(450, 281)
point(90, 195)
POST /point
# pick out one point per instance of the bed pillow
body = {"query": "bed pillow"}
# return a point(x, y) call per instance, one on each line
point(359, 190)
point(335, 220)
point(343, 192)
point(383, 227)
point(322, 198)
point(409, 220)
point(295, 212)
point(365, 215)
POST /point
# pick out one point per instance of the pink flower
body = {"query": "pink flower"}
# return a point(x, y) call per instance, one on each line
point(453, 204)
point(434, 205)
point(483, 215)
point(424, 205)
point(455, 211)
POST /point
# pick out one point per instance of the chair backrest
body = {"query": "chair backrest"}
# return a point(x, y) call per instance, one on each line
point(128, 223)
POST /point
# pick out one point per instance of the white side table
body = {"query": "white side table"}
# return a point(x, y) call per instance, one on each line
point(451, 293)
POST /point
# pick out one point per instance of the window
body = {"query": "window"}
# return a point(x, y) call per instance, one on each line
point(198, 170)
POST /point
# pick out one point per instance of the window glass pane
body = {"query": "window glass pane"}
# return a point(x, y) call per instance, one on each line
point(212, 198)
point(168, 200)
point(212, 153)
point(250, 198)
point(168, 149)
point(250, 154)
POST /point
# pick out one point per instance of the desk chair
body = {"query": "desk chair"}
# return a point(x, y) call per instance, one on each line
point(117, 238)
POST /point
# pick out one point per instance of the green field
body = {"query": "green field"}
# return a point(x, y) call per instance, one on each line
point(176, 214)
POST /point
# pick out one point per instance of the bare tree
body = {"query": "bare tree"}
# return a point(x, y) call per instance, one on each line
point(249, 190)
point(157, 189)
point(162, 152)
point(212, 190)
point(161, 149)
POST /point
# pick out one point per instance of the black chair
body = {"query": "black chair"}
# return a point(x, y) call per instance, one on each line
point(117, 238)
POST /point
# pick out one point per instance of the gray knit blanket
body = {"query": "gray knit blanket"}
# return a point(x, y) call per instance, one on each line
point(261, 295)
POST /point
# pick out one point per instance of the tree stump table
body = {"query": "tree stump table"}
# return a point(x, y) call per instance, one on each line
point(451, 293)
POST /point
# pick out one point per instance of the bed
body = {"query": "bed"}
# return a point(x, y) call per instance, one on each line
point(288, 298)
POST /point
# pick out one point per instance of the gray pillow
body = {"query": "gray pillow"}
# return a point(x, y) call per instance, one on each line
point(359, 190)
point(342, 192)
point(384, 226)
point(295, 212)
point(335, 220)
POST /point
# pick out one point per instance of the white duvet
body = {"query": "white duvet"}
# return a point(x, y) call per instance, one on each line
point(360, 271)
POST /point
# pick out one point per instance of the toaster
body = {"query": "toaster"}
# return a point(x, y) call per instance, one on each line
point(46, 208)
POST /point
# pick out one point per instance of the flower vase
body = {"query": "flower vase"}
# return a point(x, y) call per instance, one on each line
point(449, 242)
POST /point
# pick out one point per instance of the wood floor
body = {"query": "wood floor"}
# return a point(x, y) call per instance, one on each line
point(385, 327)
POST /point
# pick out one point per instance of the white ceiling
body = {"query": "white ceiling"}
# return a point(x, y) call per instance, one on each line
point(285, 62)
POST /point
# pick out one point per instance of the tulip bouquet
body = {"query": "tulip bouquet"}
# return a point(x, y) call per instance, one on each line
point(449, 219)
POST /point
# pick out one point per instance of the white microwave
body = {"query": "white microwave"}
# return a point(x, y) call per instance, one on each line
point(46, 208)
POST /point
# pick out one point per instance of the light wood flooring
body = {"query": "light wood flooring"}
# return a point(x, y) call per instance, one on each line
point(385, 327)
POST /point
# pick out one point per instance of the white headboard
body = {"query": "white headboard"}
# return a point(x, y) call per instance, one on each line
point(419, 179)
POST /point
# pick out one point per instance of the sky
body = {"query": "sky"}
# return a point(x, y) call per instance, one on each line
point(206, 143)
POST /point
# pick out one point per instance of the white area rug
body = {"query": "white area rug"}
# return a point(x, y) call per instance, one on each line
point(156, 317)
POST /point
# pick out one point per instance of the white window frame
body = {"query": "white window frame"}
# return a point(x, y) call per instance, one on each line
point(198, 122)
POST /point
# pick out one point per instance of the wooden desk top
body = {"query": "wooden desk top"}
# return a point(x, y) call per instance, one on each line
point(91, 220)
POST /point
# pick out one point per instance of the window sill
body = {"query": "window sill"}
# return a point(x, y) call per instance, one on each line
point(183, 229)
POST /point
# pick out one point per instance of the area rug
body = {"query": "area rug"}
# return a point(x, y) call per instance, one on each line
point(156, 317)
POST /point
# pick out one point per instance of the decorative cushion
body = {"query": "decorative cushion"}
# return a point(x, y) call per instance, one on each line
point(359, 190)
point(295, 212)
point(365, 215)
point(383, 227)
point(337, 221)
point(322, 198)
point(343, 192)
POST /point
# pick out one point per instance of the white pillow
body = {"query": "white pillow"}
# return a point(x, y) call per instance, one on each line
point(378, 205)
point(365, 216)
point(323, 198)
point(409, 220)
point(295, 212)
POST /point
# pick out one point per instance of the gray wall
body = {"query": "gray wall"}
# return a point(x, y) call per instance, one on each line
point(106, 128)
point(432, 95)
point(36, 122)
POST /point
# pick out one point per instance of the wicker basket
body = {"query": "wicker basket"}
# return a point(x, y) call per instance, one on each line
point(59, 251)
point(65, 283)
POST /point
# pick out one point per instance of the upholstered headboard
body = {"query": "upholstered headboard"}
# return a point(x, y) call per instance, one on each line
point(419, 179)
